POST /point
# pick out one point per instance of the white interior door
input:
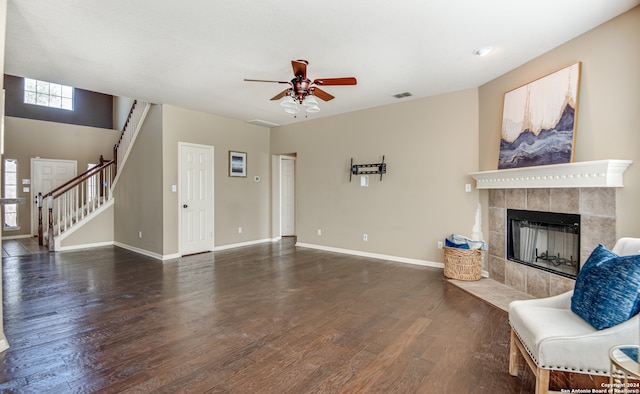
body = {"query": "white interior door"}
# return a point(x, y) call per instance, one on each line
point(196, 198)
point(287, 196)
point(46, 175)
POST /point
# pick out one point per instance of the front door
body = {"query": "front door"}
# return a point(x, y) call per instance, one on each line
point(196, 198)
point(46, 175)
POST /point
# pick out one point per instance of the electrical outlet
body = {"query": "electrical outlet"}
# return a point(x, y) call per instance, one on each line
point(365, 237)
point(139, 234)
point(319, 231)
point(440, 245)
point(240, 230)
point(467, 188)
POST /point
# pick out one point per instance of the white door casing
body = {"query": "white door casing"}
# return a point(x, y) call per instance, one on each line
point(46, 175)
point(195, 198)
point(287, 196)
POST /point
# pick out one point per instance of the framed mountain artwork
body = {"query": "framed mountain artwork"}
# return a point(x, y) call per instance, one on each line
point(539, 121)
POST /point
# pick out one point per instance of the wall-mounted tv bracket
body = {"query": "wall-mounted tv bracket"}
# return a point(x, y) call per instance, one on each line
point(365, 169)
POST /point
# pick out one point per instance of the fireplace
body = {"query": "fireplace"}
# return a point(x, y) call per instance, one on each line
point(548, 241)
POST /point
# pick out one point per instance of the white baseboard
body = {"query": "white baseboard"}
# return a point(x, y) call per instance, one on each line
point(84, 246)
point(248, 243)
point(18, 236)
point(398, 259)
point(405, 260)
point(86, 220)
point(177, 255)
point(144, 252)
point(170, 256)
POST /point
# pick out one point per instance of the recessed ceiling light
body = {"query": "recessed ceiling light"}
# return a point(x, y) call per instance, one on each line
point(483, 51)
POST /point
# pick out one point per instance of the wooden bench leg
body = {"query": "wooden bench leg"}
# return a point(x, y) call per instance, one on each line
point(542, 375)
point(542, 381)
point(513, 355)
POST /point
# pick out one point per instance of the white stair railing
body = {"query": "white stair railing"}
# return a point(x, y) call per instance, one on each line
point(137, 114)
point(65, 206)
point(76, 199)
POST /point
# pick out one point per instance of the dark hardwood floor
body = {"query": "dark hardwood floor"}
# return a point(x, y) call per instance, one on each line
point(270, 318)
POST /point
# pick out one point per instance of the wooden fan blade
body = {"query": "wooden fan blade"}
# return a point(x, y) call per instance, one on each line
point(321, 94)
point(299, 68)
point(264, 80)
point(336, 81)
point(280, 95)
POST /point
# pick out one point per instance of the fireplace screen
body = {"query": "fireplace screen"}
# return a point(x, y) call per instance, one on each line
point(545, 240)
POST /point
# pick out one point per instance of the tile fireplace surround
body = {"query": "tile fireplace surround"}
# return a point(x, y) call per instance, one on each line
point(596, 207)
point(594, 201)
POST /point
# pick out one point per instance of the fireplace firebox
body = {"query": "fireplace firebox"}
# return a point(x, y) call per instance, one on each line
point(548, 241)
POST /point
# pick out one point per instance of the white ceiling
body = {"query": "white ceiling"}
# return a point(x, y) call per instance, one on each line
point(196, 53)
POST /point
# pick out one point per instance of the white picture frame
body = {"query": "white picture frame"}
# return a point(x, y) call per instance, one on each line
point(237, 164)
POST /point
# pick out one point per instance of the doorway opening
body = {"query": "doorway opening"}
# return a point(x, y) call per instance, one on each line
point(287, 196)
point(46, 175)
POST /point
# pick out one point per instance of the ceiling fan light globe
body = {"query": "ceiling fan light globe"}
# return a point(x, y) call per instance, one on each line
point(313, 108)
point(310, 101)
point(291, 110)
point(288, 102)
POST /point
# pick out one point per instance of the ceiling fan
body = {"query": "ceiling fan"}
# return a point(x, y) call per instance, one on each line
point(301, 87)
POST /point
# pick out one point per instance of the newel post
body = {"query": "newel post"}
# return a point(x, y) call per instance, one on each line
point(101, 177)
point(39, 205)
point(115, 159)
point(50, 234)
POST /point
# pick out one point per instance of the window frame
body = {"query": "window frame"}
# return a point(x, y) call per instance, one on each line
point(48, 94)
point(7, 207)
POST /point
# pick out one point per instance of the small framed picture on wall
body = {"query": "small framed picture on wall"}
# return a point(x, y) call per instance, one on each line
point(237, 164)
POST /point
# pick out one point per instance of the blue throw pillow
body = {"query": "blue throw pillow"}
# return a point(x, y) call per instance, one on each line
point(599, 254)
point(607, 290)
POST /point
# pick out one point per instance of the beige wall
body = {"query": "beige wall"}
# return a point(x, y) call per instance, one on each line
point(96, 232)
point(121, 110)
point(138, 191)
point(430, 145)
point(239, 202)
point(26, 139)
point(608, 110)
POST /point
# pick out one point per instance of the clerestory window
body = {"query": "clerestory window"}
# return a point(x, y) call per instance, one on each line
point(48, 94)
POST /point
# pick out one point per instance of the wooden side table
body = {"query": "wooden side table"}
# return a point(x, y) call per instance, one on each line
point(624, 365)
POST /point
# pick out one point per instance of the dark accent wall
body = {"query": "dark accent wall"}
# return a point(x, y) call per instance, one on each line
point(90, 108)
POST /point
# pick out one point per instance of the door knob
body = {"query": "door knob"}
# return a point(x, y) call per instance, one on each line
point(185, 206)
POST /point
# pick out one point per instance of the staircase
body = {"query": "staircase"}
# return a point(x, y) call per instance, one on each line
point(76, 202)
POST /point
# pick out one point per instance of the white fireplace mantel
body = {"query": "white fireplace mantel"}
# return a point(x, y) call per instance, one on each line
point(597, 173)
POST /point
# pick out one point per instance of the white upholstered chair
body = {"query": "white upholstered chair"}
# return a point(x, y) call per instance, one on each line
point(551, 337)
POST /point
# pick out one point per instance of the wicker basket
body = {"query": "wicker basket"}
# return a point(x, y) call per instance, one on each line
point(462, 264)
